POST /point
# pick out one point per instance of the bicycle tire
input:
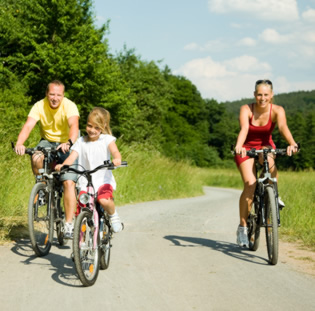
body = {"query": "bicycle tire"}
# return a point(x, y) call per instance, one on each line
point(86, 259)
point(40, 220)
point(105, 249)
point(271, 225)
point(253, 229)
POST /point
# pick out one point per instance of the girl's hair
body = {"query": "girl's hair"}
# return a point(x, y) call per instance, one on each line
point(100, 117)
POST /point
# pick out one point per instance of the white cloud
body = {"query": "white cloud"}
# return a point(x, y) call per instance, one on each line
point(247, 42)
point(227, 80)
point(247, 63)
point(309, 15)
point(210, 46)
point(284, 10)
point(192, 47)
point(272, 36)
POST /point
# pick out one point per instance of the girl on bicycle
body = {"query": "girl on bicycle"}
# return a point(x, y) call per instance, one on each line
point(92, 150)
point(257, 121)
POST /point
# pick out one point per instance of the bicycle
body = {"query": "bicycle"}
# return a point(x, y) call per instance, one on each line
point(265, 211)
point(92, 230)
point(44, 205)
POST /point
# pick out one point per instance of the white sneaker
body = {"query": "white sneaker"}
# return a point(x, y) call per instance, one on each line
point(281, 203)
point(115, 222)
point(242, 237)
point(68, 231)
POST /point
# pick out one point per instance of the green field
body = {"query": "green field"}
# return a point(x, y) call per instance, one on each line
point(150, 176)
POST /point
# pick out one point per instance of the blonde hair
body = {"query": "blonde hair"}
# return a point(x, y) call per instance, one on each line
point(101, 118)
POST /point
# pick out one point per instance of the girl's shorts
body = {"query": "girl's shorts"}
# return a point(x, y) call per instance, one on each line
point(104, 192)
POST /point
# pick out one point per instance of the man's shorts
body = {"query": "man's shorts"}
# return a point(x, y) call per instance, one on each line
point(61, 157)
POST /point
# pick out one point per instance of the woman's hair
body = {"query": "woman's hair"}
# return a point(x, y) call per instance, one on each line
point(266, 82)
point(100, 117)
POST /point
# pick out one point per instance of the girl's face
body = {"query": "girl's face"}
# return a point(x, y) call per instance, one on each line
point(93, 131)
point(263, 95)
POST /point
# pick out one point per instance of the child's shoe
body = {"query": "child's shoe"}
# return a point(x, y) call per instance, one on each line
point(115, 222)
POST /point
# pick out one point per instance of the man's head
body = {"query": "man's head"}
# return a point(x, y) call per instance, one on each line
point(55, 93)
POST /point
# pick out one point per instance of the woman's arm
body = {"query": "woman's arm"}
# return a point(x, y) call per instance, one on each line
point(244, 125)
point(284, 130)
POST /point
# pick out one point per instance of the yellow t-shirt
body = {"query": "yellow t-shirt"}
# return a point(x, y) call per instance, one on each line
point(54, 125)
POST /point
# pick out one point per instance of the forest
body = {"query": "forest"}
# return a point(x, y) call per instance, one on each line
point(43, 40)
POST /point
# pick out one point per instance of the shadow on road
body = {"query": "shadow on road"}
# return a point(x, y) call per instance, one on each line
point(226, 248)
point(63, 267)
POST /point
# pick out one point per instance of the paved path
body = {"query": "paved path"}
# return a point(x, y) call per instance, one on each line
point(173, 255)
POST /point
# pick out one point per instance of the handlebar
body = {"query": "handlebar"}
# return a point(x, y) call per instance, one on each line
point(107, 164)
point(252, 153)
point(44, 150)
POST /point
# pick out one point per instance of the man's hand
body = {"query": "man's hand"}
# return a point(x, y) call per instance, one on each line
point(19, 149)
point(65, 147)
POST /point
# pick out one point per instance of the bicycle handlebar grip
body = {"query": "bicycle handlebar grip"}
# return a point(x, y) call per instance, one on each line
point(29, 151)
point(124, 163)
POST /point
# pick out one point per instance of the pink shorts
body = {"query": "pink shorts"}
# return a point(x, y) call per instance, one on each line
point(104, 192)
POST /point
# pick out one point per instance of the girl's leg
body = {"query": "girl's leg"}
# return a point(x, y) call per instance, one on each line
point(105, 198)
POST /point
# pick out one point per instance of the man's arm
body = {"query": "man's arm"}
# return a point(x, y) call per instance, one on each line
point(73, 123)
point(24, 134)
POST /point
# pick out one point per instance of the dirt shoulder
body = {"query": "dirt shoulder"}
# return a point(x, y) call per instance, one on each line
point(298, 257)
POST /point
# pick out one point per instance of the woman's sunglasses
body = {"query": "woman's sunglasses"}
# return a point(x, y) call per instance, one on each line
point(263, 81)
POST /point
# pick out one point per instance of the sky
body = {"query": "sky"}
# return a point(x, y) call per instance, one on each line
point(221, 46)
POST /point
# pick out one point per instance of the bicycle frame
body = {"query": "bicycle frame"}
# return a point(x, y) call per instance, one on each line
point(265, 181)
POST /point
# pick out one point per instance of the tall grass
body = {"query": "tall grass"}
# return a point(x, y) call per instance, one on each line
point(150, 176)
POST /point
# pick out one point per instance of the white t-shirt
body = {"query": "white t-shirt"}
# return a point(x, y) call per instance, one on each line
point(91, 155)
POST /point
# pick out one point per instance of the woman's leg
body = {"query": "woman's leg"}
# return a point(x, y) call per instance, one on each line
point(247, 170)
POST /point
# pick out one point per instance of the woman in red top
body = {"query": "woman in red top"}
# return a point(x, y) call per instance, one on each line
point(257, 122)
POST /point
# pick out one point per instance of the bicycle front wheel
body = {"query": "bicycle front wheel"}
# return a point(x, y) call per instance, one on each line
point(253, 228)
point(105, 249)
point(271, 225)
point(40, 220)
point(86, 256)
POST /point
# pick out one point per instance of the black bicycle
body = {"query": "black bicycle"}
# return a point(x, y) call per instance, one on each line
point(265, 211)
point(92, 230)
point(45, 212)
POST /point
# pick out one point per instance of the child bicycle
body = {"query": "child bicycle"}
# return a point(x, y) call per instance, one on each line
point(44, 208)
point(265, 207)
point(92, 230)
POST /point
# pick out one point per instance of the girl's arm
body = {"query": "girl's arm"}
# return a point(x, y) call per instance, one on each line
point(115, 153)
point(69, 161)
point(284, 130)
point(244, 124)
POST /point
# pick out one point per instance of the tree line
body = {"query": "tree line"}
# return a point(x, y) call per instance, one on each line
point(43, 40)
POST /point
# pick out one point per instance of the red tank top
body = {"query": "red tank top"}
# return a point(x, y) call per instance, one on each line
point(259, 136)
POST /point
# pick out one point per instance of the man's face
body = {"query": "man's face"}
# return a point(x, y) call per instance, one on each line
point(55, 95)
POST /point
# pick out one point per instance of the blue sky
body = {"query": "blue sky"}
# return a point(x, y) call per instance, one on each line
point(222, 46)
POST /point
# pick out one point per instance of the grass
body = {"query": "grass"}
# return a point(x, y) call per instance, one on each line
point(151, 176)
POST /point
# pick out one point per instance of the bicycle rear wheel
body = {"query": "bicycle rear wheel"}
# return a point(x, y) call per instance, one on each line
point(40, 220)
point(86, 257)
point(253, 228)
point(271, 225)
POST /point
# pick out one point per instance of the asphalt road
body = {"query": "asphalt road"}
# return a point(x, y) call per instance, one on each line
point(172, 255)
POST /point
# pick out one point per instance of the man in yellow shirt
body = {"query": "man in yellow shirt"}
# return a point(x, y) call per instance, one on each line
point(59, 122)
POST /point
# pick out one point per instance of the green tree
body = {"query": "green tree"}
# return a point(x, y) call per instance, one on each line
point(42, 40)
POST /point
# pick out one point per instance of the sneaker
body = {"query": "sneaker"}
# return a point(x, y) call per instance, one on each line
point(280, 203)
point(242, 237)
point(68, 231)
point(115, 222)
